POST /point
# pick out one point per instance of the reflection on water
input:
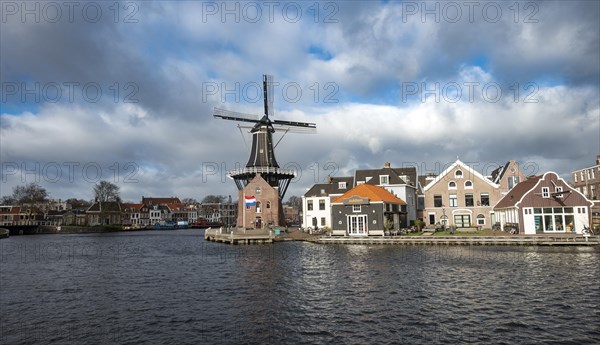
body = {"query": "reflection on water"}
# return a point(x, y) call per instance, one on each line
point(173, 287)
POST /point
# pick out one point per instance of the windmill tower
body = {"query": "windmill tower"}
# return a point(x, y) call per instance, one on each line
point(262, 183)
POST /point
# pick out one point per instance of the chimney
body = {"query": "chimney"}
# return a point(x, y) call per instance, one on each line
point(386, 164)
point(329, 179)
point(598, 160)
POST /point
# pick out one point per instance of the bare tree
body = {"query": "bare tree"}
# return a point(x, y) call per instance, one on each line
point(295, 201)
point(214, 199)
point(189, 201)
point(29, 194)
point(106, 191)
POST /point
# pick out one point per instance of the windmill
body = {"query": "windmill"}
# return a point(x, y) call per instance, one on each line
point(262, 160)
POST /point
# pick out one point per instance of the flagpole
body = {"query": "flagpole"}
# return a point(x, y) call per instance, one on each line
point(244, 210)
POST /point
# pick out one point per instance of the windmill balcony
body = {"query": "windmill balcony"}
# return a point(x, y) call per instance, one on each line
point(262, 170)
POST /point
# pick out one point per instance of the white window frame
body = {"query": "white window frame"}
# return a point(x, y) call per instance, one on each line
point(469, 187)
point(545, 192)
point(450, 187)
point(558, 189)
point(452, 197)
point(457, 175)
point(356, 208)
point(342, 185)
point(384, 179)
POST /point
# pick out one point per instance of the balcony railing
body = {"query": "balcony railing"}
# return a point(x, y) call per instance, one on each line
point(262, 170)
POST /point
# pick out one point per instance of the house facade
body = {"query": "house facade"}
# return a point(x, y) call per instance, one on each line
point(545, 204)
point(316, 202)
point(366, 210)
point(462, 197)
point(266, 208)
point(401, 182)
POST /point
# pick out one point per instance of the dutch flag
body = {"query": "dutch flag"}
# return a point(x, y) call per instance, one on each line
point(250, 201)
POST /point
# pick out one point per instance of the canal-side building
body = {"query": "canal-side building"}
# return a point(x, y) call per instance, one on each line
point(260, 205)
point(366, 210)
point(401, 182)
point(462, 197)
point(545, 204)
point(587, 181)
point(104, 213)
point(316, 202)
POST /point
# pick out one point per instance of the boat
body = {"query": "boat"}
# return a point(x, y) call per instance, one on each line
point(204, 223)
point(168, 225)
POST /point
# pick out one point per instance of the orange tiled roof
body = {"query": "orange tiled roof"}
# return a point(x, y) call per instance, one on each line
point(373, 193)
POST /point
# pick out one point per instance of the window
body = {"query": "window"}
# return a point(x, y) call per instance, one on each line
point(322, 205)
point(468, 185)
point(512, 181)
point(469, 200)
point(431, 218)
point(384, 179)
point(480, 219)
point(575, 177)
point(258, 191)
point(557, 190)
point(545, 192)
point(258, 207)
point(323, 221)
point(309, 205)
point(357, 225)
point(485, 199)
point(453, 200)
point(342, 185)
point(355, 208)
point(462, 220)
point(437, 201)
point(451, 185)
point(458, 174)
point(268, 204)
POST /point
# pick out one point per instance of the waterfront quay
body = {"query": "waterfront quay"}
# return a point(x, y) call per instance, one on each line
point(465, 240)
point(269, 236)
point(239, 236)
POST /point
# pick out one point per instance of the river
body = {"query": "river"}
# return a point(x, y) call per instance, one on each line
point(172, 287)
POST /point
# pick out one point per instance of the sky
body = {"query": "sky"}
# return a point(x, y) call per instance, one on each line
point(125, 91)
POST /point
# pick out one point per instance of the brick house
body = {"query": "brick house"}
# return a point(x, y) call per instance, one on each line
point(267, 210)
point(462, 197)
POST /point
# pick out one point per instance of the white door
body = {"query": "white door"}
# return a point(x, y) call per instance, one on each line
point(357, 225)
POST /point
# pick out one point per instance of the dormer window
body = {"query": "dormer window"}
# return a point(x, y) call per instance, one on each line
point(451, 185)
point(468, 185)
point(458, 174)
point(384, 179)
point(342, 185)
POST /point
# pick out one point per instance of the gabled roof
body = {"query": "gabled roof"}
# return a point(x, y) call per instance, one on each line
point(105, 206)
point(136, 207)
point(11, 210)
point(423, 181)
point(393, 173)
point(330, 188)
point(156, 201)
point(463, 166)
point(373, 193)
point(518, 191)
